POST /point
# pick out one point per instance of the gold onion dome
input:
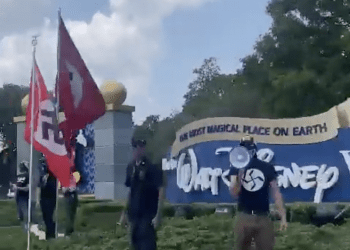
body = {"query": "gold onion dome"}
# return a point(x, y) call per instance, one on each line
point(113, 92)
point(24, 103)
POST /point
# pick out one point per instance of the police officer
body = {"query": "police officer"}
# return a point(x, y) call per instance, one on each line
point(21, 189)
point(252, 186)
point(48, 195)
point(145, 181)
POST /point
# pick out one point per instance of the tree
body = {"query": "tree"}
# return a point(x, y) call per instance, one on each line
point(11, 96)
point(10, 106)
point(301, 65)
point(205, 74)
point(224, 95)
point(158, 134)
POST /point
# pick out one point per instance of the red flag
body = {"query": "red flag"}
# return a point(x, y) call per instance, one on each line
point(47, 137)
point(78, 93)
point(40, 93)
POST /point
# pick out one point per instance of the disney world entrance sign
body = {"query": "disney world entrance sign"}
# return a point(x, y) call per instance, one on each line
point(311, 156)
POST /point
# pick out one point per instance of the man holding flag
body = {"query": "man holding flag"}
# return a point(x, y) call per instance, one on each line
point(43, 133)
point(47, 137)
point(82, 103)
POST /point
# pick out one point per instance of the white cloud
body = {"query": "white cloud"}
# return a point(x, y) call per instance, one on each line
point(16, 55)
point(120, 46)
point(20, 15)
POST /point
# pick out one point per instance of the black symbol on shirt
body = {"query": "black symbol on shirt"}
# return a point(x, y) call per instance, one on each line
point(252, 179)
point(51, 126)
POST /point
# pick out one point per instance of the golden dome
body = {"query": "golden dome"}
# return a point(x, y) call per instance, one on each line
point(113, 92)
point(24, 104)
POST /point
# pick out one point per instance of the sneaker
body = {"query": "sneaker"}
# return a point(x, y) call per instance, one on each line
point(35, 229)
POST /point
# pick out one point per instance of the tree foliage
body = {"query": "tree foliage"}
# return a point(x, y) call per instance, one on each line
point(11, 96)
point(205, 74)
point(300, 67)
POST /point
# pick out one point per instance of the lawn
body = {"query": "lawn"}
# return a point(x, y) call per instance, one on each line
point(97, 230)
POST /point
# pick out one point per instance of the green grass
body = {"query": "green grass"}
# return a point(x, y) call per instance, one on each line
point(206, 233)
point(12, 239)
point(96, 229)
point(8, 214)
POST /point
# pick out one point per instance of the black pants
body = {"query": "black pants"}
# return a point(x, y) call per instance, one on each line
point(71, 200)
point(22, 210)
point(48, 206)
point(143, 234)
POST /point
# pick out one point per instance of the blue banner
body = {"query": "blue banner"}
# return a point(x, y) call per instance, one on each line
point(317, 172)
point(85, 160)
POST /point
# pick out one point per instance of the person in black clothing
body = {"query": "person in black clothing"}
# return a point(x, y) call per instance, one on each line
point(71, 203)
point(252, 186)
point(145, 181)
point(70, 193)
point(22, 193)
point(48, 195)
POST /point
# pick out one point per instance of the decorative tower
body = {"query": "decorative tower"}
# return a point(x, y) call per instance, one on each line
point(104, 164)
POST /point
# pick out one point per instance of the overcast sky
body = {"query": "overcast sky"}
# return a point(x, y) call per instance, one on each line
point(151, 46)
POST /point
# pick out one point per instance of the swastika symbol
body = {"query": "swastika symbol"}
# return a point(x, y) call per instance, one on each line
point(253, 180)
point(46, 126)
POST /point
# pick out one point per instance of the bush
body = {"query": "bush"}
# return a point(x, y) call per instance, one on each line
point(168, 211)
point(200, 210)
point(302, 213)
point(98, 216)
point(92, 201)
point(184, 211)
point(346, 214)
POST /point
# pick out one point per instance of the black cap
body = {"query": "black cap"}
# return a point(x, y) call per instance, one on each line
point(248, 142)
point(247, 139)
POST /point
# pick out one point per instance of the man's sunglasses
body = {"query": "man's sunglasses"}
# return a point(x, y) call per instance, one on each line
point(139, 143)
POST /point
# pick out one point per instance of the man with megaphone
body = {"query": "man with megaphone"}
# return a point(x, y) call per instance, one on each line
point(252, 181)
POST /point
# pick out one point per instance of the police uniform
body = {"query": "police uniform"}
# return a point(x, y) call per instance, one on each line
point(252, 220)
point(144, 180)
point(48, 195)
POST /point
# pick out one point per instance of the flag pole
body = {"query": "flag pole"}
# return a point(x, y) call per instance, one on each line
point(34, 43)
point(57, 110)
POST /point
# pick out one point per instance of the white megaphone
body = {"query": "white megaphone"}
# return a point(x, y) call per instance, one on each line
point(239, 157)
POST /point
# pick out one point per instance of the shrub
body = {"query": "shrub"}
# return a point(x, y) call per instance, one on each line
point(200, 210)
point(302, 213)
point(92, 201)
point(168, 211)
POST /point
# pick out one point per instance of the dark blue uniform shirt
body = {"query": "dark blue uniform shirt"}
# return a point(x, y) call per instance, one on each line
point(255, 186)
point(144, 182)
